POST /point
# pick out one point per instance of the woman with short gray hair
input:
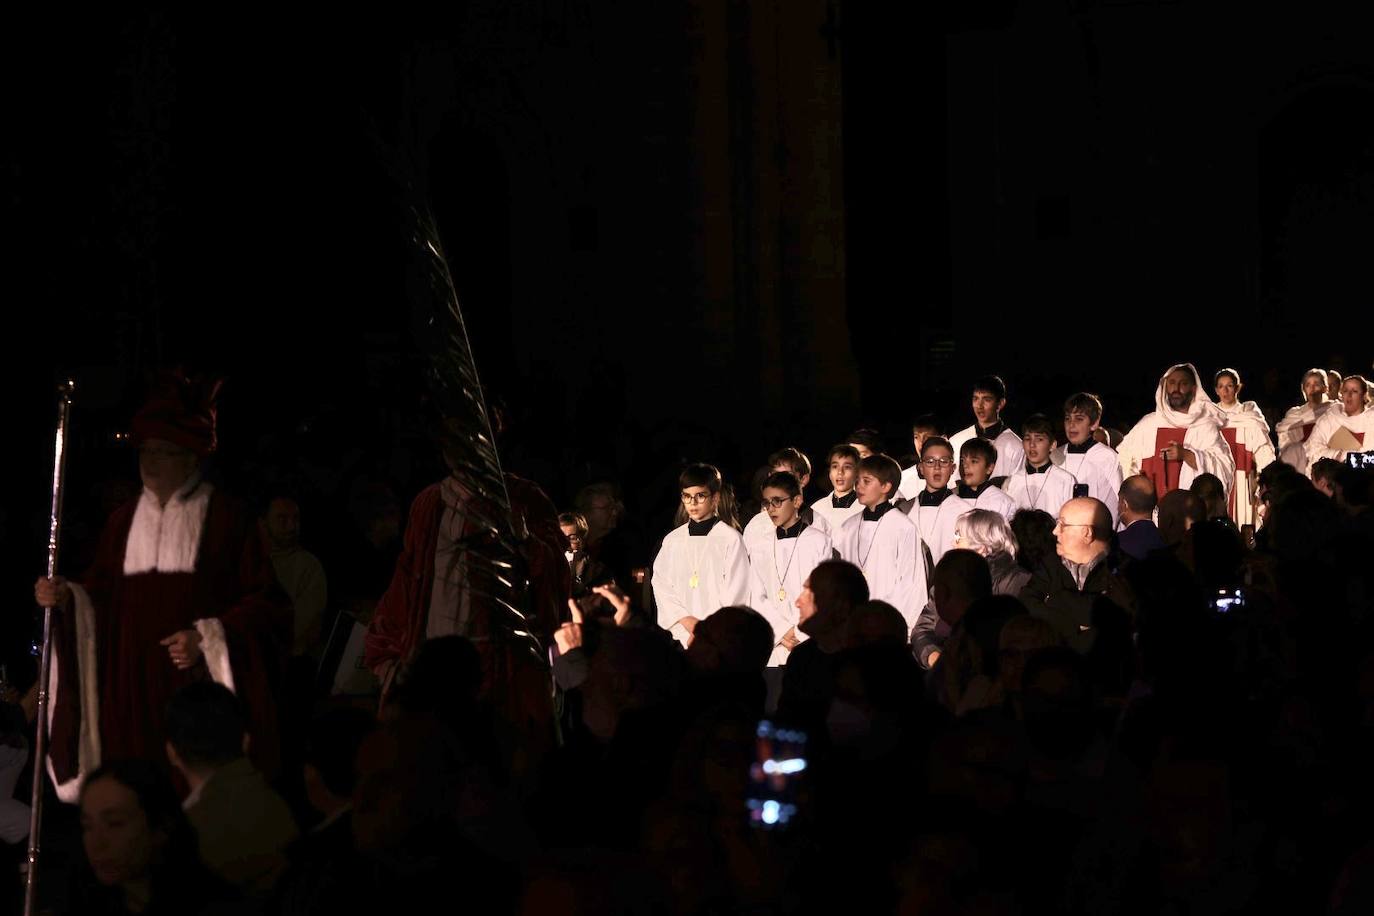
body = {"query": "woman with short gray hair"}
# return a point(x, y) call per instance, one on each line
point(988, 534)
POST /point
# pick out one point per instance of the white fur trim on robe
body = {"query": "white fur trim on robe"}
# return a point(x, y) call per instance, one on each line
point(216, 651)
point(88, 685)
point(1201, 422)
point(167, 538)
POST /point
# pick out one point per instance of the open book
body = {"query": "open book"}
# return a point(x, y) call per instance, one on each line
point(1345, 441)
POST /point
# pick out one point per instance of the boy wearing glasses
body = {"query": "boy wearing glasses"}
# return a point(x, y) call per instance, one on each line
point(989, 400)
point(936, 508)
point(977, 462)
point(842, 502)
point(791, 461)
point(883, 542)
point(1039, 483)
point(702, 565)
point(782, 561)
point(1095, 467)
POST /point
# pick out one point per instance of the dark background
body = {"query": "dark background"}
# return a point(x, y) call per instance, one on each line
point(679, 230)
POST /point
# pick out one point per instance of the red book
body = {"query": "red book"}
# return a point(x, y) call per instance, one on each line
point(1164, 474)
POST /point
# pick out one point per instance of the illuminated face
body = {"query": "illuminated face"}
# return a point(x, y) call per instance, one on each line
point(987, 407)
point(919, 437)
point(1038, 447)
point(1314, 387)
point(872, 491)
point(165, 467)
point(699, 502)
point(1179, 388)
point(1352, 396)
point(1227, 389)
point(843, 473)
point(283, 523)
point(863, 450)
point(806, 603)
point(574, 539)
point(119, 842)
point(782, 509)
point(937, 466)
point(974, 470)
point(1078, 427)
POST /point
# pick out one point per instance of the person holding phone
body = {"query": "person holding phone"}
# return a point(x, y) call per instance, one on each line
point(1347, 428)
point(1095, 466)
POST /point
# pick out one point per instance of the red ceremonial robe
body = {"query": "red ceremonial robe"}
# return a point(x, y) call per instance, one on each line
point(233, 582)
point(514, 682)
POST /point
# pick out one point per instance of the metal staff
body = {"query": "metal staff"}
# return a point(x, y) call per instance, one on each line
point(59, 470)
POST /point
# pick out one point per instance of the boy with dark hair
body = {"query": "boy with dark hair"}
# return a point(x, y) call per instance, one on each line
point(1095, 467)
point(782, 561)
point(977, 464)
point(842, 502)
point(242, 825)
point(922, 428)
point(1039, 484)
point(989, 399)
point(791, 461)
point(866, 442)
point(1325, 472)
point(884, 543)
point(703, 565)
point(936, 508)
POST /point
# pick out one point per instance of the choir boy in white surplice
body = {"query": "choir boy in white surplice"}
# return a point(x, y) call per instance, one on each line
point(936, 508)
point(883, 542)
point(922, 428)
point(1095, 466)
point(841, 502)
point(794, 462)
point(781, 559)
point(1346, 428)
point(1181, 438)
point(1297, 424)
point(989, 399)
point(977, 465)
point(1039, 484)
point(703, 565)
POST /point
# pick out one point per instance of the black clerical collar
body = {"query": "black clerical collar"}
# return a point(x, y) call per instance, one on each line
point(877, 512)
point(844, 502)
point(1080, 449)
point(794, 531)
point(701, 528)
point(992, 432)
point(968, 492)
point(1032, 469)
point(927, 498)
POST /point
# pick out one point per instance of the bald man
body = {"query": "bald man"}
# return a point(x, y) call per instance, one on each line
point(1064, 590)
point(1138, 535)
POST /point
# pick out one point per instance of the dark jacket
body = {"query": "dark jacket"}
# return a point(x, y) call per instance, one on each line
point(1054, 597)
point(1139, 538)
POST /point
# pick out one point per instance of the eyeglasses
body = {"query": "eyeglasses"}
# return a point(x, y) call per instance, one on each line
point(1060, 523)
point(692, 499)
point(777, 502)
point(937, 462)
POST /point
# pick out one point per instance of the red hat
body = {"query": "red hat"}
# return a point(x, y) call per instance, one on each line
point(180, 410)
